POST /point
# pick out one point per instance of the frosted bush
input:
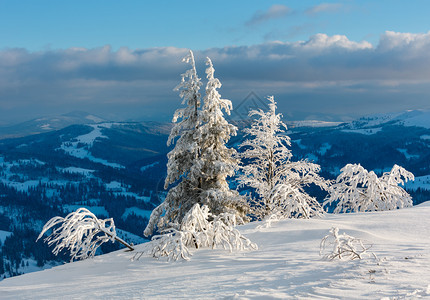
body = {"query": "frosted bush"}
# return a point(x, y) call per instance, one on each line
point(80, 232)
point(343, 247)
point(358, 190)
point(199, 229)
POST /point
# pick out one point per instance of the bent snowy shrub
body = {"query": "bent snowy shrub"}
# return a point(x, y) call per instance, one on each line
point(358, 190)
point(343, 247)
point(81, 232)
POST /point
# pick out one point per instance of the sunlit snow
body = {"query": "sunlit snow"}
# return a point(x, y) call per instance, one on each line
point(286, 266)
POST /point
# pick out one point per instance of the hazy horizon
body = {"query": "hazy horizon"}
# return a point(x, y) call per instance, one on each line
point(332, 61)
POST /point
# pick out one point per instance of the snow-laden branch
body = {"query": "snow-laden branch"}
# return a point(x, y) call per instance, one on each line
point(81, 232)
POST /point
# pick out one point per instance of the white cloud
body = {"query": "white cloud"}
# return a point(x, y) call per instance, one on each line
point(276, 11)
point(323, 41)
point(324, 7)
point(397, 40)
point(330, 68)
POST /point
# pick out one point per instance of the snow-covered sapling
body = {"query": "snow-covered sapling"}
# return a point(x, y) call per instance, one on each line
point(343, 247)
point(199, 229)
point(81, 232)
point(358, 190)
point(267, 168)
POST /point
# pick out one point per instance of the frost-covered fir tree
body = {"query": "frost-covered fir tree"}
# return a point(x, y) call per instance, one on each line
point(268, 169)
point(217, 162)
point(359, 190)
point(200, 160)
point(184, 156)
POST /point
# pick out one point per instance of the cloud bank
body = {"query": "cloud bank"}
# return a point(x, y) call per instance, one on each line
point(325, 74)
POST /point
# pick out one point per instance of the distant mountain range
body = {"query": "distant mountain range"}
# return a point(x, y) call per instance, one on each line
point(51, 166)
point(46, 124)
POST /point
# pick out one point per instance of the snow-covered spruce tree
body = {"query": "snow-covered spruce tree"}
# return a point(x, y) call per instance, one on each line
point(268, 169)
point(359, 190)
point(200, 161)
point(81, 232)
point(216, 162)
point(184, 155)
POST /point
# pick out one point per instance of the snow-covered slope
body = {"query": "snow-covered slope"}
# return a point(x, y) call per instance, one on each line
point(287, 265)
point(46, 124)
point(418, 118)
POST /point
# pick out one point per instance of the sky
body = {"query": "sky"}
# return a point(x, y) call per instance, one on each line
point(120, 60)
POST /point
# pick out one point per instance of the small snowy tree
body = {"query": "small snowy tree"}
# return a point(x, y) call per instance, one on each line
point(342, 246)
point(81, 232)
point(268, 169)
point(359, 190)
point(199, 229)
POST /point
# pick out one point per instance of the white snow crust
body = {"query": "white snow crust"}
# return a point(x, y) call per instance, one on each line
point(287, 265)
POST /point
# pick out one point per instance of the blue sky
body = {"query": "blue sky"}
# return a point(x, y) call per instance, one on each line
point(120, 59)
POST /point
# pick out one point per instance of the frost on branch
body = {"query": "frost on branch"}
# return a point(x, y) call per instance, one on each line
point(359, 190)
point(343, 247)
point(81, 232)
point(200, 229)
point(267, 168)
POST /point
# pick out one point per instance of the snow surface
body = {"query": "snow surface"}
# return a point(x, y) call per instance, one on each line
point(80, 145)
point(137, 211)
point(97, 210)
point(94, 119)
point(75, 170)
point(286, 266)
point(144, 168)
point(324, 148)
point(299, 144)
point(419, 118)
point(4, 235)
point(367, 131)
point(407, 155)
point(422, 182)
point(114, 185)
point(313, 123)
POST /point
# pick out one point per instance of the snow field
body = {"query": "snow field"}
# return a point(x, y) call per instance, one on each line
point(88, 140)
point(287, 265)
